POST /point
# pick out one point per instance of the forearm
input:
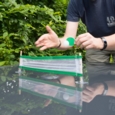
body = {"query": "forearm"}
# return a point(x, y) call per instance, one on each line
point(68, 80)
point(111, 88)
point(110, 42)
point(71, 31)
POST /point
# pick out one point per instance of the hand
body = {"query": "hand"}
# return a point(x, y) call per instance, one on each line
point(46, 89)
point(91, 92)
point(87, 41)
point(49, 40)
point(47, 102)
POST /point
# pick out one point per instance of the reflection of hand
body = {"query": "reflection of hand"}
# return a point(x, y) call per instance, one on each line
point(47, 102)
point(49, 40)
point(46, 89)
point(87, 41)
point(90, 92)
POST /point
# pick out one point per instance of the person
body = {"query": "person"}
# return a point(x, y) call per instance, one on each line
point(99, 41)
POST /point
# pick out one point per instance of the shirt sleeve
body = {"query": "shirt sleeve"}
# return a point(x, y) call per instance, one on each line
point(75, 10)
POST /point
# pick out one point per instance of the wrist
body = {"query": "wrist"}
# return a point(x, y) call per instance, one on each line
point(59, 44)
point(104, 43)
point(103, 88)
point(69, 42)
point(100, 43)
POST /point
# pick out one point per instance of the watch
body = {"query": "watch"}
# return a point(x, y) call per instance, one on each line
point(104, 43)
point(105, 88)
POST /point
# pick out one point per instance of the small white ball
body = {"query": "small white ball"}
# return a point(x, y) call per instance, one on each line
point(66, 43)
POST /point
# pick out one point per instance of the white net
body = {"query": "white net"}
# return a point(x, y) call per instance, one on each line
point(61, 65)
point(61, 93)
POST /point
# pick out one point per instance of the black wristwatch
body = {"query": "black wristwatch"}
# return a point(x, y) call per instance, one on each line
point(105, 88)
point(104, 43)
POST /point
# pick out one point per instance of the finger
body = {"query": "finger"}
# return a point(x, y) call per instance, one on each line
point(88, 47)
point(82, 35)
point(46, 45)
point(87, 99)
point(85, 44)
point(87, 92)
point(42, 43)
point(42, 38)
point(39, 45)
point(89, 88)
point(39, 40)
point(80, 40)
point(43, 48)
point(49, 30)
point(47, 102)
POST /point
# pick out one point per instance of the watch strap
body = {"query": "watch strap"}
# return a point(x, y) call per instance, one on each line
point(105, 89)
point(104, 43)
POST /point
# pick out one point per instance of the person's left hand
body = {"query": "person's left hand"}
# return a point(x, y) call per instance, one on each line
point(87, 41)
point(47, 90)
point(90, 92)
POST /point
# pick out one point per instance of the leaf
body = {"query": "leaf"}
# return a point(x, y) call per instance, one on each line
point(17, 50)
point(2, 63)
point(3, 78)
point(5, 34)
point(2, 45)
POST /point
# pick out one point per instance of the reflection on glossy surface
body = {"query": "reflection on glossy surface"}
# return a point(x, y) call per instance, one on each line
point(40, 96)
point(51, 90)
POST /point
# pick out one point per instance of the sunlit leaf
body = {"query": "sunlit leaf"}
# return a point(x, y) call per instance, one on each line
point(2, 63)
point(5, 34)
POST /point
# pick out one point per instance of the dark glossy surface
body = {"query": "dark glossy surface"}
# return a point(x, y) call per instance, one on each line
point(31, 94)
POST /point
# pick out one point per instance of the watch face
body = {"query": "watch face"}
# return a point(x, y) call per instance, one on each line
point(104, 43)
point(104, 39)
point(105, 92)
point(105, 88)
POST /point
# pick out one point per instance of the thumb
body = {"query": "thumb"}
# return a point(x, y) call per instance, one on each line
point(49, 30)
point(47, 102)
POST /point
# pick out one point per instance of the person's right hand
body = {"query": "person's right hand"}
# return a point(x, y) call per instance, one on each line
point(49, 40)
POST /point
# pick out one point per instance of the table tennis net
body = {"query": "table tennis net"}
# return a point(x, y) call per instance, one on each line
point(67, 65)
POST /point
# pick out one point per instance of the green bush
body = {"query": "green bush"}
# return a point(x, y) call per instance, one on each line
point(23, 21)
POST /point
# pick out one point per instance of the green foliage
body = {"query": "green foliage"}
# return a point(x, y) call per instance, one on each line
point(23, 21)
